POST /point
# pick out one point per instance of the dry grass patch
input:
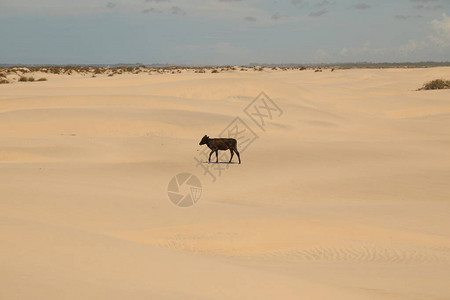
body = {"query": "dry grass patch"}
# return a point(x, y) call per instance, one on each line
point(437, 84)
point(25, 79)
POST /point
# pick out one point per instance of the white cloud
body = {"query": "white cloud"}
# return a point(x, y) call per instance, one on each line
point(358, 50)
point(440, 35)
point(406, 50)
point(321, 56)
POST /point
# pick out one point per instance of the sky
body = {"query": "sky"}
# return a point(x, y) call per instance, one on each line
point(223, 32)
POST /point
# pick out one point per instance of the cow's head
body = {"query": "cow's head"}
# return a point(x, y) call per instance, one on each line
point(204, 140)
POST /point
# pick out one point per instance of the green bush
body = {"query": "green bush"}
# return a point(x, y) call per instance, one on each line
point(437, 84)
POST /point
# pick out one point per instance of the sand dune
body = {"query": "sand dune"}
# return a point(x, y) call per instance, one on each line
point(344, 196)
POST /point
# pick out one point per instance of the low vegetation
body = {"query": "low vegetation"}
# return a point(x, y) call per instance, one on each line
point(3, 79)
point(437, 84)
point(12, 74)
point(25, 78)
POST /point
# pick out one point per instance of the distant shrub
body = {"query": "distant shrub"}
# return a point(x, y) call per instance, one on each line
point(437, 84)
point(214, 71)
point(42, 79)
point(24, 78)
point(3, 81)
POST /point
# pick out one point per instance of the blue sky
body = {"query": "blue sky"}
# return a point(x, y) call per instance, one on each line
point(223, 31)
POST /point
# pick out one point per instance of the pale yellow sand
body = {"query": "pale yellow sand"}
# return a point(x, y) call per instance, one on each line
point(345, 196)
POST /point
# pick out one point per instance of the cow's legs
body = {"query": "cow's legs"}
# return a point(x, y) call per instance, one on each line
point(232, 153)
point(209, 159)
point(217, 156)
point(237, 152)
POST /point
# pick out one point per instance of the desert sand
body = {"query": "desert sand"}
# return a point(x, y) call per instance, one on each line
point(344, 196)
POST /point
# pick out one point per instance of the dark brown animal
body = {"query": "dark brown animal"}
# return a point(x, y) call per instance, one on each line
point(220, 144)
